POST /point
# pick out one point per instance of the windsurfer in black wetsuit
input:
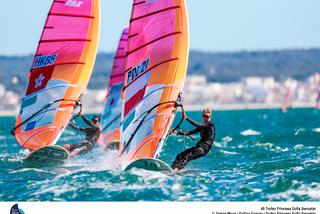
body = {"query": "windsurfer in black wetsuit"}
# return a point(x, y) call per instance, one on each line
point(92, 134)
point(207, 134)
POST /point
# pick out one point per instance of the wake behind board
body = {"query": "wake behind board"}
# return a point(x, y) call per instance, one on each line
point(150, 164)
point(48, 155)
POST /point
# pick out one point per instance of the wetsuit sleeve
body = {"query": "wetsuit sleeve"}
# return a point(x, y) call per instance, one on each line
point(196, 124)
point(194, 131)
point(87, 121)
point(76, 127)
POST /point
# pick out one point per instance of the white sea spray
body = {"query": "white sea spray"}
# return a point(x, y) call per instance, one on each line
point(250, 132)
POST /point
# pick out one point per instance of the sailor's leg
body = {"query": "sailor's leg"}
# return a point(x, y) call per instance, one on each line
point(197, 153)
point(70, 147)
point(181, 158)
point(75, 152)
point(85, 147)
point(193, 153)
point(82, 148)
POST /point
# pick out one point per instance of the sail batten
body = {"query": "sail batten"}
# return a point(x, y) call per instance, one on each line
point(153, 41)
point(71, 15)
point(154, 13)
point(65, 40)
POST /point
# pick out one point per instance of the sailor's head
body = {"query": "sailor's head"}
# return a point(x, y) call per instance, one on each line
point(206, 114)
point(96, 120)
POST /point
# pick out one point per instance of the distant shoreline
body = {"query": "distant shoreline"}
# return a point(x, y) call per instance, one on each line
point(248, 106)
point(7, 113)
point(215, 107)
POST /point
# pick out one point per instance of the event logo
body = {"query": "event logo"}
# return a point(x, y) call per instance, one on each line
point(74, 3)
point(42, 61)
point(15, 210)
point(136, 71)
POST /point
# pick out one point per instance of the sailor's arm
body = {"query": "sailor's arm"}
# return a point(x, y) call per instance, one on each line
point(76, 127)
point(196, 124)
point(194, 131)
point(87, 121)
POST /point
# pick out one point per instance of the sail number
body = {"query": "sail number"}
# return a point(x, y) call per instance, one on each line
point(136, 71)
point(42, 61)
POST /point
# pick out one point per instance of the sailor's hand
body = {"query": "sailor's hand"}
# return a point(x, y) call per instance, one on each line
point(173, 131)
point(184, 116)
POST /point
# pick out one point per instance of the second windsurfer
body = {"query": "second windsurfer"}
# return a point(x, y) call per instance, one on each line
point(207, 134)
point(92, 134)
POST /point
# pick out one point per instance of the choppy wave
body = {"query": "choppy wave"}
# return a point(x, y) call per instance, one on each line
point(311, 191)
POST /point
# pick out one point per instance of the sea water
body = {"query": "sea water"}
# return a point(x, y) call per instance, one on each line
point(258, 155)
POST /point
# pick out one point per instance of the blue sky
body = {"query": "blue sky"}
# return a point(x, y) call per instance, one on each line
point(215, 25)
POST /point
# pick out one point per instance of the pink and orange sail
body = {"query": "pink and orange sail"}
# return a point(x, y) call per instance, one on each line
point(60, 71)
point(113, 106)
point(155, 71)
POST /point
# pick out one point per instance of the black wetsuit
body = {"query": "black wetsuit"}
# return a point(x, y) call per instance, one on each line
point(92, 134)
point(207, 134)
